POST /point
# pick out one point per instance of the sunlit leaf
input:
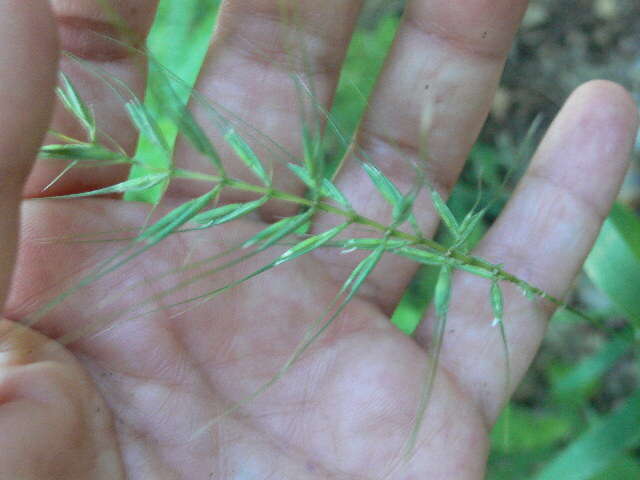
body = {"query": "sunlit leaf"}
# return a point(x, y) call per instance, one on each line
point(614, 263)
point(594, 450)
point(583, 379)
point(522, 430)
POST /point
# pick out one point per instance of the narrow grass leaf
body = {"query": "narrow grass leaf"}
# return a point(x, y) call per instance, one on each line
point(583, 379)
point(135, 185)
point(599, 446)
point(72, 101)
point(311, 243)
point(522, 430)
point(614, 262)
point(247, 155)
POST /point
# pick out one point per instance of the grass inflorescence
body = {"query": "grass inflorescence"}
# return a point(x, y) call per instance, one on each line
point(154, 175)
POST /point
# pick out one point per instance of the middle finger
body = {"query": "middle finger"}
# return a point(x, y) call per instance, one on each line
point(447, 58)
point(258, 47)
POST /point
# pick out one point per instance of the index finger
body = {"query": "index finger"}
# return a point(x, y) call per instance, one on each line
point(98, 32)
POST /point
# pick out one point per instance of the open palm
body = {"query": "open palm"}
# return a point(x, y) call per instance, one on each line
point(132, 400)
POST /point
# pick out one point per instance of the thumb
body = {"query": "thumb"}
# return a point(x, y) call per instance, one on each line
point(53, 422)
point(28, 64)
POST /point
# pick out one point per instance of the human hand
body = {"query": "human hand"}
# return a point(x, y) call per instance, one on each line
point(127, 402)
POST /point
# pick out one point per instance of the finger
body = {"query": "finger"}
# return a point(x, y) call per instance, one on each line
point(542, 237)
point(259, 47)
point(447, 58)
point(28, 60)
point(98, 32)
point(53, 424)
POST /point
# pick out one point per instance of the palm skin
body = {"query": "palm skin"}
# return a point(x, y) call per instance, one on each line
point(131, 401)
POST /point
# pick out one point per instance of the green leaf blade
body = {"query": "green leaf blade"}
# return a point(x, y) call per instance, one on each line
point(614, 262)
point(603, 443)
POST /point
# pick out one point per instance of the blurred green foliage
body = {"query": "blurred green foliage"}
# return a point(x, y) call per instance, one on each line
point(178, 41)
